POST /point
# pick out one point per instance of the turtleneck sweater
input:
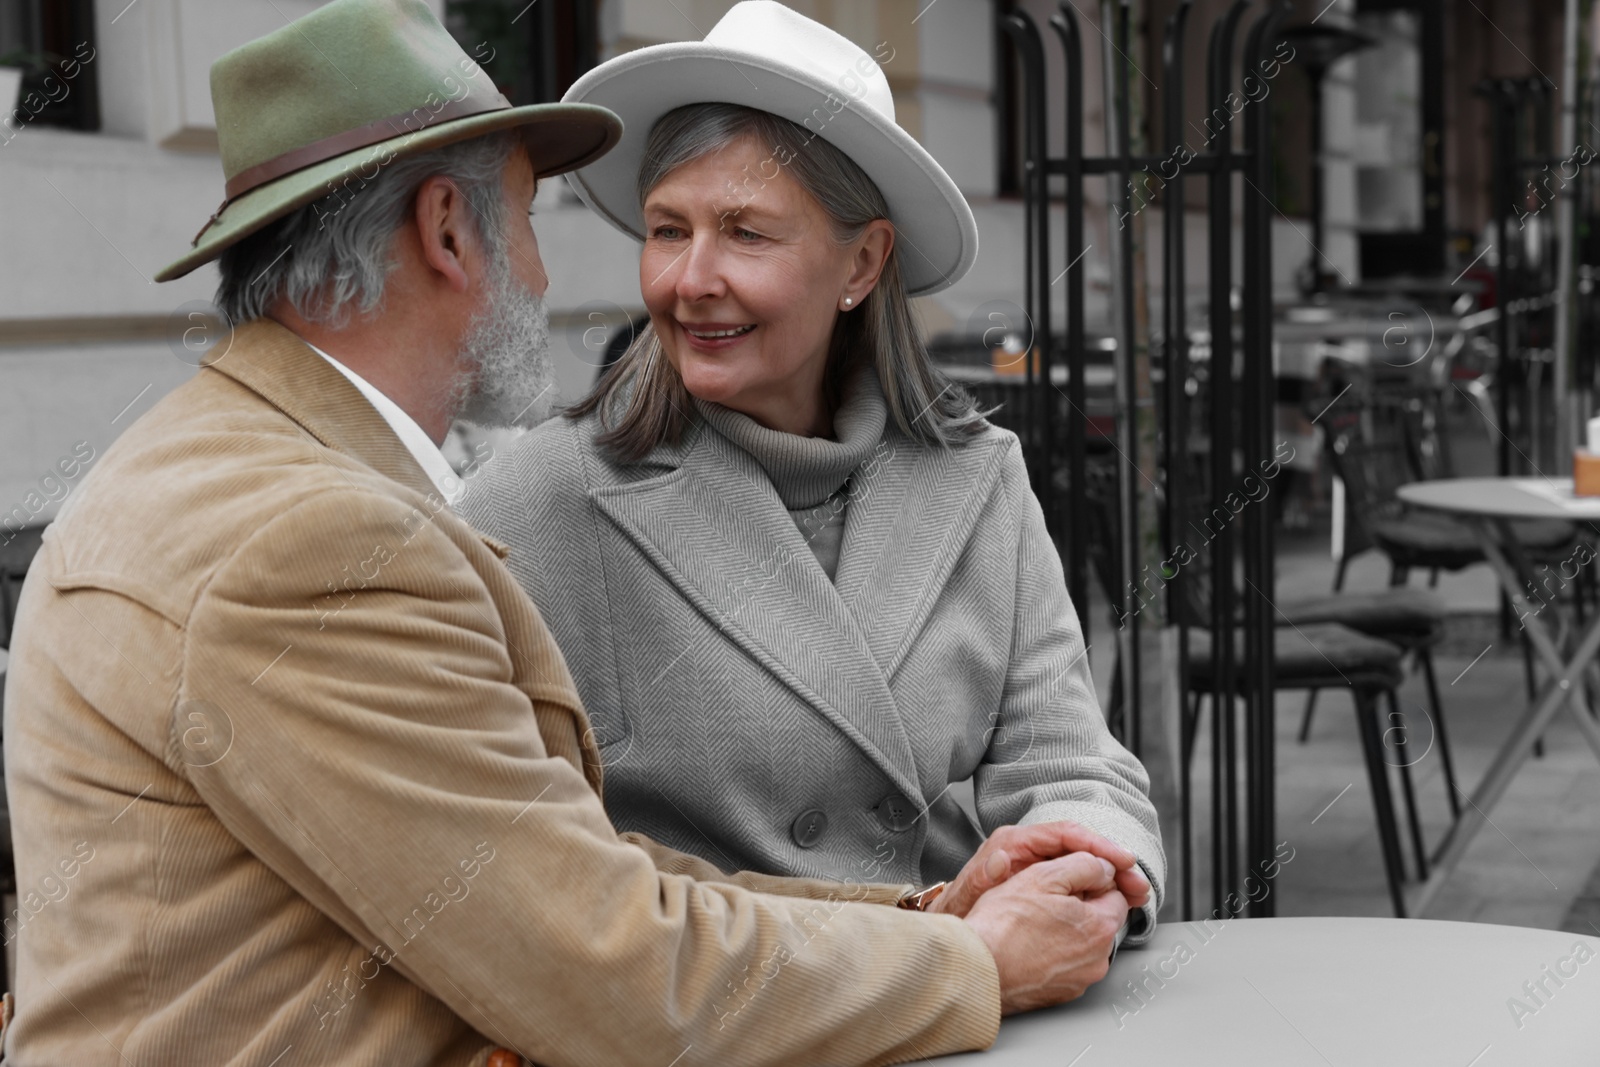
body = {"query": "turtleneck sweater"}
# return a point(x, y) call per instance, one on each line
point(812, 474)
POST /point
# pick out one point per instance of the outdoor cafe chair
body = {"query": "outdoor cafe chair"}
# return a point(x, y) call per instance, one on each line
point(1374, 519)
point(1411, 619)
point(1306, 655)
point(1370, 472)
point(1383, 432)
point(17, 549)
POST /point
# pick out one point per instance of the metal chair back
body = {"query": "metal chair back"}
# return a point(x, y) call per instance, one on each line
point(17, 549)
point(1371, 471)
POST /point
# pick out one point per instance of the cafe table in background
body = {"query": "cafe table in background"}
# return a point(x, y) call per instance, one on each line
point(1565, 644)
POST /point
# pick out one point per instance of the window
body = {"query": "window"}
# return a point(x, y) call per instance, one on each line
point(1009, 135)
point(1399, 126)
point(52, 43)
point(533, 51)
point(1389, 123)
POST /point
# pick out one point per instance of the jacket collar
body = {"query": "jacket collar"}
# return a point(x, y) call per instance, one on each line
point(716, 529)
point(271, 360)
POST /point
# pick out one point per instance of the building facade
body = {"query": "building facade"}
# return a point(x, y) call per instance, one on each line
point(88, 342)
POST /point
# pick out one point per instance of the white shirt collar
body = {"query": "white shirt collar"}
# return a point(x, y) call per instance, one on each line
point(416, 440)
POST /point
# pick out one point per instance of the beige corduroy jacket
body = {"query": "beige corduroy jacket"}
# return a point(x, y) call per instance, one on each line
point(298, 776)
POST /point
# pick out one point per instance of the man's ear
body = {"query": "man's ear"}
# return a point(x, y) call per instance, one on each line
point(445, 230)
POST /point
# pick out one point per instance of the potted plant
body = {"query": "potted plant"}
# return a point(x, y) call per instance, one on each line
point(16, 68)
point(10, 85)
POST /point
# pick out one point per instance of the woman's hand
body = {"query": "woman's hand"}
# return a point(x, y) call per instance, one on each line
point(1051, 930)
point(1011, 849)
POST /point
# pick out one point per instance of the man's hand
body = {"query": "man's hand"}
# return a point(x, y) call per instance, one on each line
point(1050, 929)
point(1011, 849)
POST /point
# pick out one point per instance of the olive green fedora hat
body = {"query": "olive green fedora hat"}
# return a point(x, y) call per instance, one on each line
point(322, 105)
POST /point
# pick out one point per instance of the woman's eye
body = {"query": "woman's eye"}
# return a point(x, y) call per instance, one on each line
point(746, 235)
point(666, 233)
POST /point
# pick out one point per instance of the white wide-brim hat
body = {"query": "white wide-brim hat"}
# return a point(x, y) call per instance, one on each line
point(763, 55)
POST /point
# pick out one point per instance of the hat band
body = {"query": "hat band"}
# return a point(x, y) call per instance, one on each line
point(348, 141)
point(339, 144)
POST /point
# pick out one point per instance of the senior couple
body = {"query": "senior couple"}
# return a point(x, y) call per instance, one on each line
point(643, 752)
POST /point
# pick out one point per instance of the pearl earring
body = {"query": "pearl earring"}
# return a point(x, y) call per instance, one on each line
point(848, 301)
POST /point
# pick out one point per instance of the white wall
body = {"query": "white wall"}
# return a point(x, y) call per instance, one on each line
point(57, 396)
point(954, 93)
point(183, 38)
point(89, 218)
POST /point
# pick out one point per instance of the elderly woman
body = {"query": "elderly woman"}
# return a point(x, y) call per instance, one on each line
point(802, 585)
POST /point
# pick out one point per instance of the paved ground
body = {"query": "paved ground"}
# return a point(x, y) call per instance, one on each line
point(1537, 864)
point(1526, 869)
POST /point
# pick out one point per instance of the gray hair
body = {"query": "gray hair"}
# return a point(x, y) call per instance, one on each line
point(333, 255)
point(645, 387)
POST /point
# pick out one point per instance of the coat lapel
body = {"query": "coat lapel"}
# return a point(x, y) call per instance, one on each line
point(912, 510)
point(716, 529)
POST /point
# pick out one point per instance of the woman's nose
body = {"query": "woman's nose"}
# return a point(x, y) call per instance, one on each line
point(700, 275)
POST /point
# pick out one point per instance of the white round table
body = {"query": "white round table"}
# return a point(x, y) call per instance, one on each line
point(1568, 649)
point(1325, 992)
point(1503, 498)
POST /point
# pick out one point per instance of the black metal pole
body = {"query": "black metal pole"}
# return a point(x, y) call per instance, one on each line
point(1224, 788)
point(1175, 438)
point(1036, 246)
point(1538, 92)
point(545, 48)
point(1251, 416)
point(1318, 226)
point(1260, 421)
point(1127, 428)
point(1495, 91)
point(1044, 390)
point(1065, 23)
point(1505, 152)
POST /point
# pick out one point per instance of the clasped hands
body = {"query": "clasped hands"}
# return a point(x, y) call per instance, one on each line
point(1048, 901)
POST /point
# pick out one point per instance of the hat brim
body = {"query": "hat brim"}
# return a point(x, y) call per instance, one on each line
point(559, 138)
point(935, 229)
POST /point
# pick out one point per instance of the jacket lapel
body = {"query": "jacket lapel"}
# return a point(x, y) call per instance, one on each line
point(272, 361)
point(716, 529)
point(912, 510)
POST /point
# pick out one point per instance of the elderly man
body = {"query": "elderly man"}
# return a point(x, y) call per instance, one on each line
point(297, 773)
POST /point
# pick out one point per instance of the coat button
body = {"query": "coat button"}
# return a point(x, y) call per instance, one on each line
point(895, 813)
point(808, 828)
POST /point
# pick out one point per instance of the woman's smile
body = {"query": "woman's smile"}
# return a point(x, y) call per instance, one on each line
point(715, 336)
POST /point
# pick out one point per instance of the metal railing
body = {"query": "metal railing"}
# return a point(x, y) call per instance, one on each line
point(1235, 398)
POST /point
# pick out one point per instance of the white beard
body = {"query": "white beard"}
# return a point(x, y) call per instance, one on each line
point(510, 382)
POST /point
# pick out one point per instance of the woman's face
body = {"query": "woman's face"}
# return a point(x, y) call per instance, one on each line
point(743, 280)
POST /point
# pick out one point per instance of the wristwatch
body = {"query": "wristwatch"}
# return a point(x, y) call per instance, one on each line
point(922, 898)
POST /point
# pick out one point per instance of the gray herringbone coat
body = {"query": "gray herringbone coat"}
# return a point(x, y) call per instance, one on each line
point(736, 693)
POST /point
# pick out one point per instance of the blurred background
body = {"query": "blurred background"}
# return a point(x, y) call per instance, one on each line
point(107, 180)
point(104, 169)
